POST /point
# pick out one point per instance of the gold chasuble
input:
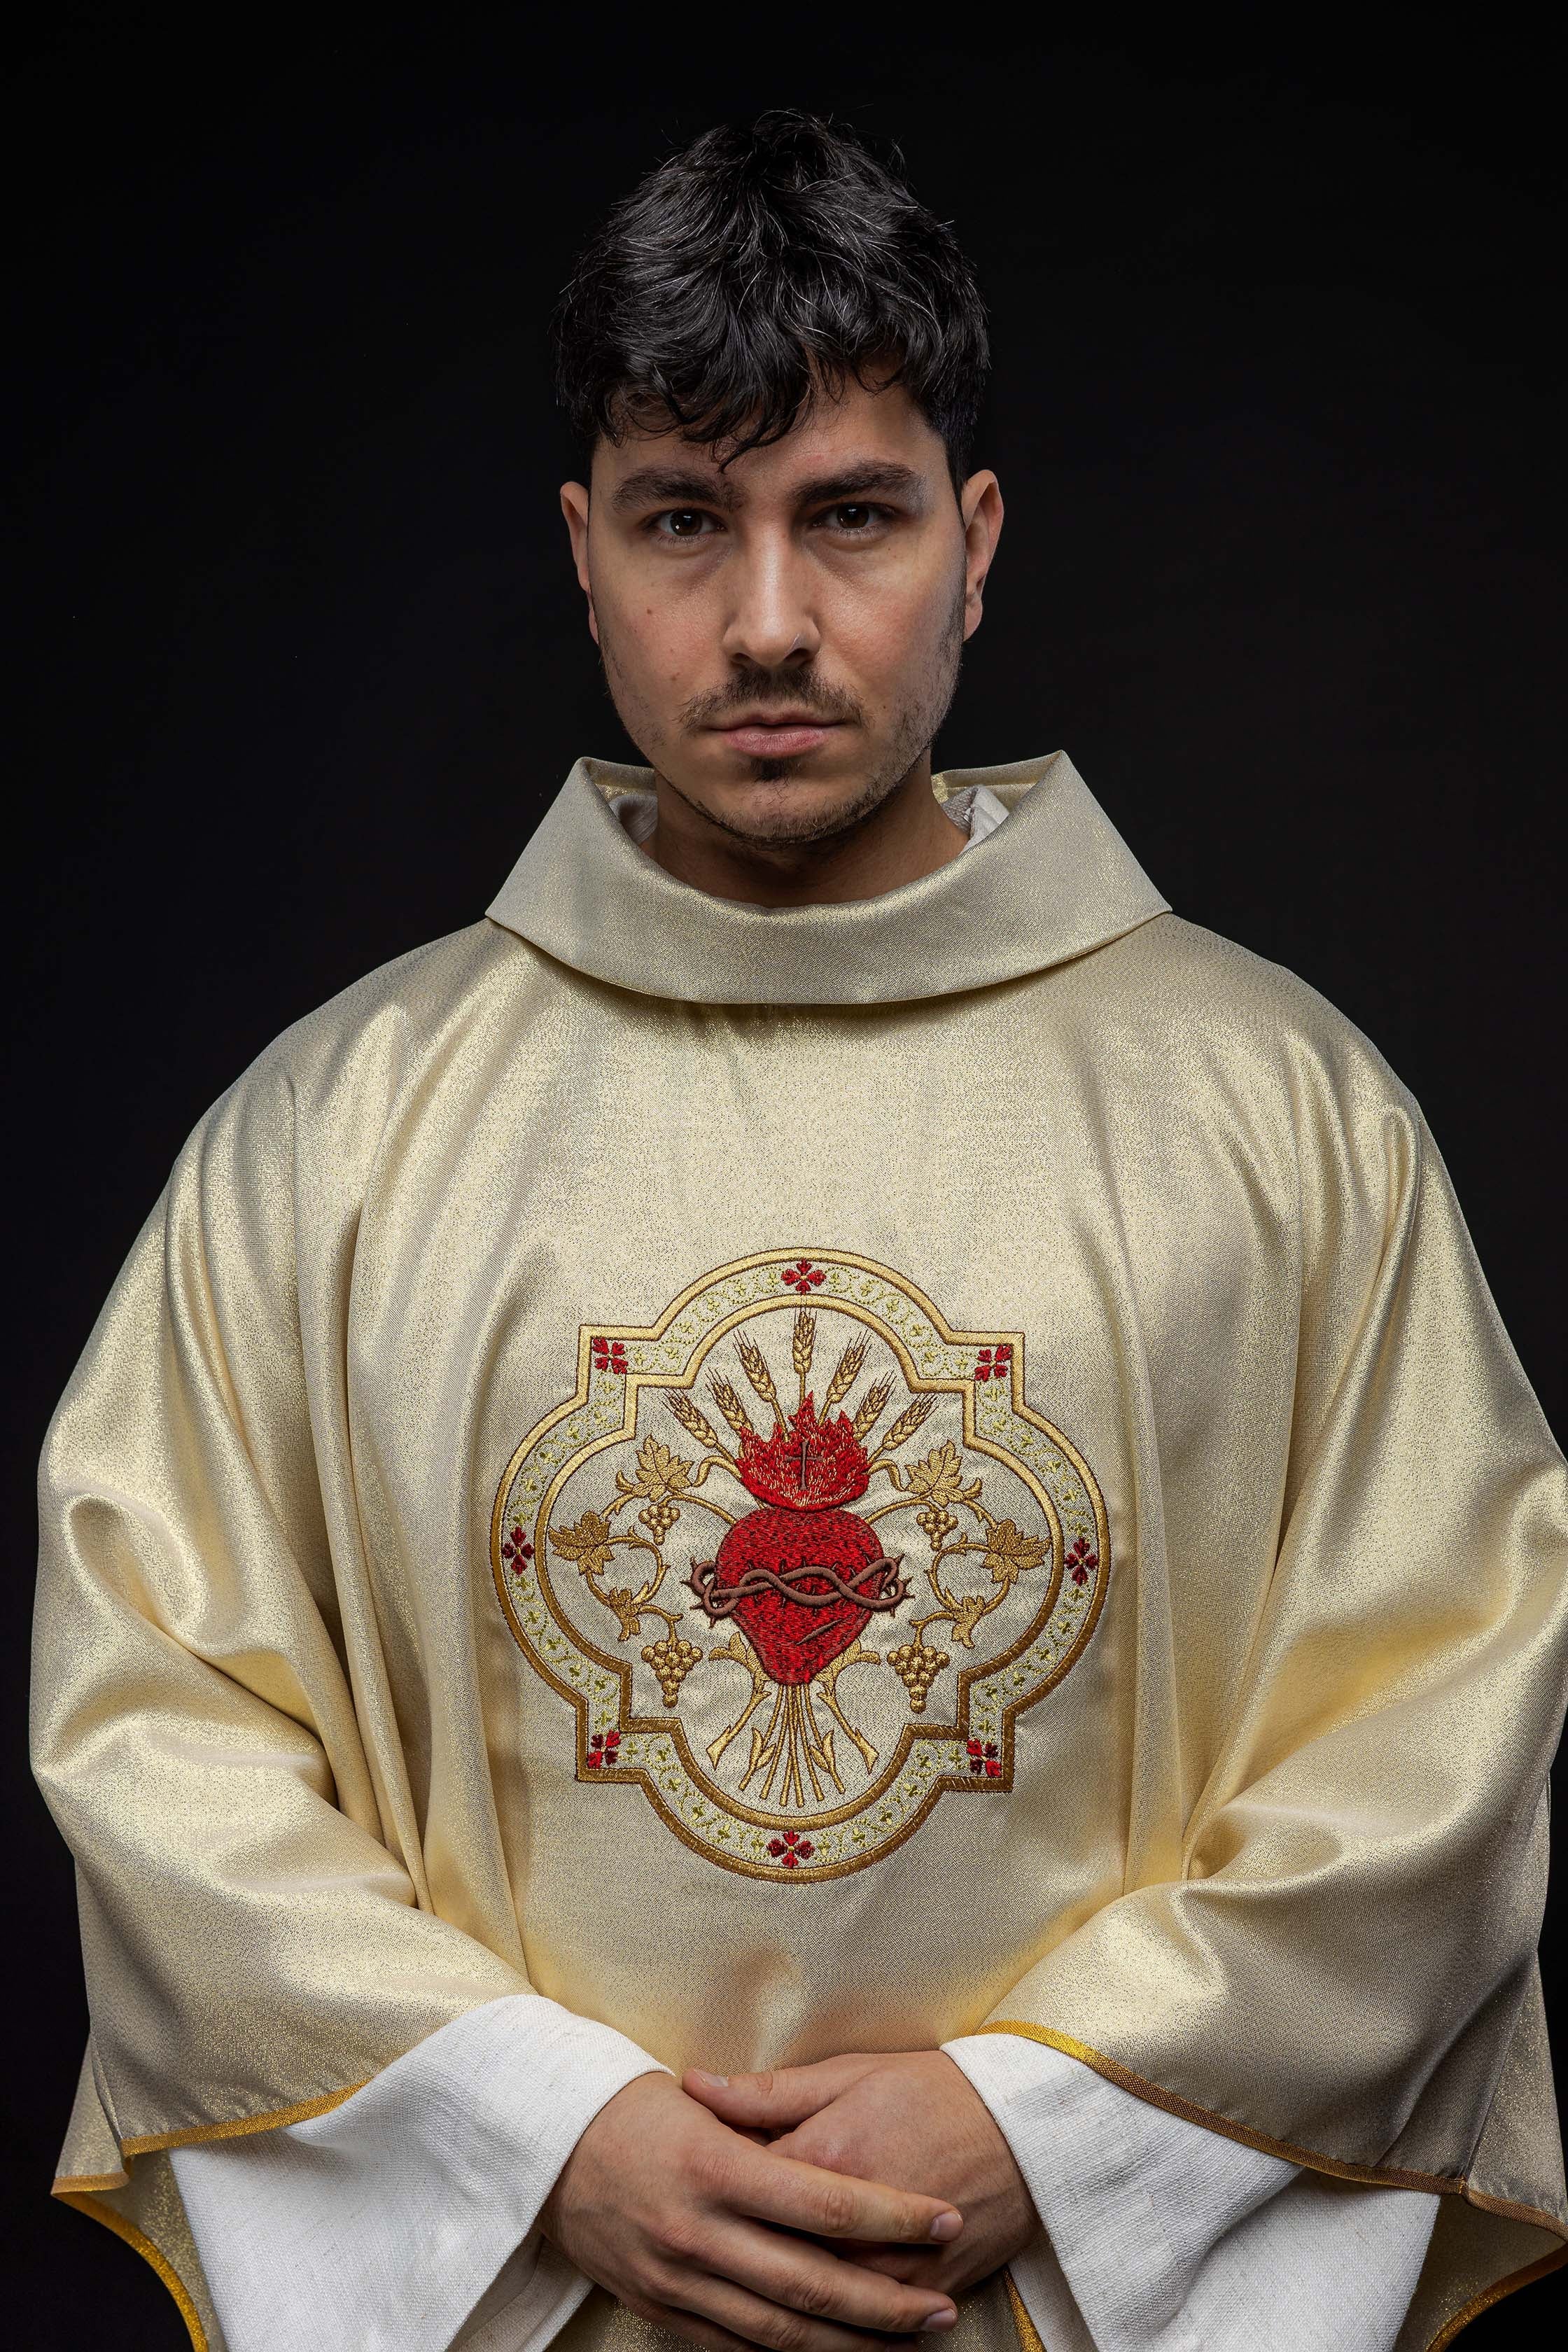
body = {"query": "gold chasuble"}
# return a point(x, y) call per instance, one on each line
point(819, 1480)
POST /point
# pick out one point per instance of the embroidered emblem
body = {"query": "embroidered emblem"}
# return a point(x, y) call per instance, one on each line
point(710, 1599)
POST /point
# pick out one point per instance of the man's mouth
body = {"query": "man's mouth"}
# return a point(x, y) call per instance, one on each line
point(780, 735)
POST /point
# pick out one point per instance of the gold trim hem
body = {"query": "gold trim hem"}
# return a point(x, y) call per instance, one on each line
point(97, 2211)
point(1377, 2176)
point(86, 2190)
point(240, 2126)
point(1505, 2286)
point(1029, 2338)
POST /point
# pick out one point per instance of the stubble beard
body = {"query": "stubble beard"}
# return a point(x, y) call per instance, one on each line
point(913, 734)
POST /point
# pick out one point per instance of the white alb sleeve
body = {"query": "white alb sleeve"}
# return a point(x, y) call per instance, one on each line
point(1159, 2236)
point(405, 2219)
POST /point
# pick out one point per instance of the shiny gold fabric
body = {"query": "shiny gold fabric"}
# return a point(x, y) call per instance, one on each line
point(1269, 1849)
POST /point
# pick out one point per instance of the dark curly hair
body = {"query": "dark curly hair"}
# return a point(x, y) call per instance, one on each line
point(750, 269)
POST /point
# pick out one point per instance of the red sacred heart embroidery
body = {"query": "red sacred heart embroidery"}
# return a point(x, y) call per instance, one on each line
point(802, 1576)
point(793, 1637)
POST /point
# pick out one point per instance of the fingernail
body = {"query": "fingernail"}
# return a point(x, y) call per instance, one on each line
point(945, 2226)
point(939, 2319)
point(714, 2082)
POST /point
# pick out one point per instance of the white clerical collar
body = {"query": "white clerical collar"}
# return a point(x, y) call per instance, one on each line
point(1046, 880)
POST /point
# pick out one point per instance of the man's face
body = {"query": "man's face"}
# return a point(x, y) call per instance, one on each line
point(782, 636)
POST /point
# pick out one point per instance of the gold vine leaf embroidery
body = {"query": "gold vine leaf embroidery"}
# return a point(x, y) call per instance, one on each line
point(939, 1478)
point(967, 1615)
point(661, 1473)
point(1009, 1552)
point(628, 1610)
point(589, 1543)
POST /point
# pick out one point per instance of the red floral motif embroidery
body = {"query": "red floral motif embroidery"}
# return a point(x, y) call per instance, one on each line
point(791, 1849)
point(609, 1356)
point(802, 1275)
point(994, 1363)
point(1080, 1560)
point(603, 1748)
point(983, 1758)
point(516, 1550)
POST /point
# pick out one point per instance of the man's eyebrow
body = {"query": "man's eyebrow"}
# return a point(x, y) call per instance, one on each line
point(669, 486)
point(659, 485)
point(873, 475)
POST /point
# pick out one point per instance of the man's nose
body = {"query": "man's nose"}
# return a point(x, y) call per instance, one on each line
point(771, 622)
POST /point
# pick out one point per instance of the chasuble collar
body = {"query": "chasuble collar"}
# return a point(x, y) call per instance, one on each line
point(1052, 883)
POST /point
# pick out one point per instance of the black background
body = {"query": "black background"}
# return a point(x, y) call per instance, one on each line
point(1278, 416)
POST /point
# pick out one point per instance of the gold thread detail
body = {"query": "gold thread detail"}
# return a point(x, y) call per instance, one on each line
point(845, 1377)
point(1504, 2287)
point(1510, 2211)
point(240, 2126)
point(1028, 2334)
point(141, 2244)
point(1437, 2184)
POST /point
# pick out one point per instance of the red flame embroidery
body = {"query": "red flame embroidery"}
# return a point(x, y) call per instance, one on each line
point(811, 1466)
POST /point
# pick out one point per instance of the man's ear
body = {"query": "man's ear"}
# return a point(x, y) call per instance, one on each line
point(981, 509)
point(574, 507)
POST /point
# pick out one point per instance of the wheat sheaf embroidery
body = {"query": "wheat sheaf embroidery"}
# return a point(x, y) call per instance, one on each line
point(798, 1554)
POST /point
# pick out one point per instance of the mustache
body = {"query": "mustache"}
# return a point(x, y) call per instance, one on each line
point(759, 690)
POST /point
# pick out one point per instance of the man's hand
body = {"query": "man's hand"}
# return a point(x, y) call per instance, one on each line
point(685, 2222)
point(912, 2118)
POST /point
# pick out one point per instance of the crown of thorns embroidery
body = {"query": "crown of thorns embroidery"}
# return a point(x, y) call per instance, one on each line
point(815, 1584)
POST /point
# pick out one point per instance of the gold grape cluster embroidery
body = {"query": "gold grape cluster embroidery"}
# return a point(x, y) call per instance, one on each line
point(799, 1554)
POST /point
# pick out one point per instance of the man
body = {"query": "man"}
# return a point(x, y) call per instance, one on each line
point(804, 1596)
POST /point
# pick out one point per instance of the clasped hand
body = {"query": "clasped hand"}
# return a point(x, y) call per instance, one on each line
point(814, 2208)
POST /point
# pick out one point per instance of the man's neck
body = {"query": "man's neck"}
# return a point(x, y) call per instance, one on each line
point(903, 837)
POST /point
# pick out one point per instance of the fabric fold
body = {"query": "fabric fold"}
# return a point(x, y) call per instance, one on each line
point(1162, 2237)
point(405, 2221)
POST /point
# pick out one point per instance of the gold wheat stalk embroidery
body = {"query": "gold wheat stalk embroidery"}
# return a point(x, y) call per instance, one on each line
point(734, 1410)
point(695, 1423)
point(908, 1421)
point(792, 1749)
point(754, 1365)
point(845, 1377)
point(873, 1407)
point(803, 1348)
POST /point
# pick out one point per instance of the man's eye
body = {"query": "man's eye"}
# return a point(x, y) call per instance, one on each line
point(854, 518)
point(680, 522)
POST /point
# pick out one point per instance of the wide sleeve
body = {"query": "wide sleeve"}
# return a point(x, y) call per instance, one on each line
point(406, 2220)
point(1159, 2236)
point(256, 1936)
point(1341, 1973)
